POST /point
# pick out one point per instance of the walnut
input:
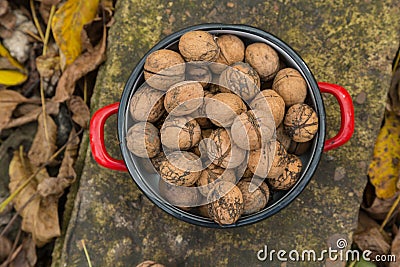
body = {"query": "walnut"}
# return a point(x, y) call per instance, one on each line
point(264, 59)
point(222, 108)
point(180, 196)
point(164, 68)
point(301, 123)
point(143, 140)
point(147, 104)
point(198, 72)
point(240, 78)
point(222, 151)
point(231, 51)
point(226, 203)
point(180, 133)
point(200, 114)
point(156, 161)
point(149, 263)
point(270, 102)
point(181, 168)
point(282, 137)
point(289, 176)
point(213, 174)
point(184, 98)
point(252, 129)
point(255, 195)
point(243, 171)
point(291, 86)
point(198, 46)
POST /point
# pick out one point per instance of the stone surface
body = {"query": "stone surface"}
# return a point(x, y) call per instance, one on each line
point(351, 44)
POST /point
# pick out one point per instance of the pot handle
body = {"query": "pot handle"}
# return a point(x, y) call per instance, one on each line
point(96, 137)
point(346, 111)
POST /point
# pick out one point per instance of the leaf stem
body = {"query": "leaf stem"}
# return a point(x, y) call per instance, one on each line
point(390, 213)
point(48, 28)
point(36, 21)
point(86, 253)
point(43, 99)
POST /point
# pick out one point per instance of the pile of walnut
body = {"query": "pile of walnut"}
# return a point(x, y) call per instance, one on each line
point(239, 111)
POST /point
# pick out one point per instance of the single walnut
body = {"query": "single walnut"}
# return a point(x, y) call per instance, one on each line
point(198, 46)
point(156, 161)
point(299, 148)
point(143, 140)
point(264, 59)
point(270, 102)
point(180, 133)
point(149, 264)
point(282, 137)
point(198, 72)
point(226, 203)
point(240, 78)
point(255, 197)
point(301, 123)
point(252, 129)
point(184, 98)
point(164, 68)
point(222, 151)
point(180, 196)
point(289, 176)
point(181, 168)
point(213, 174)
point(147, 104)
point(223, 108)
point(231, 51)
point(291, 86)
point(280, 161)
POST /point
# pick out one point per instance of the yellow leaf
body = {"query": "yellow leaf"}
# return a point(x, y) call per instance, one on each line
point(384, 169)
point(67, 25)
point(12, 77)
point(4, 53)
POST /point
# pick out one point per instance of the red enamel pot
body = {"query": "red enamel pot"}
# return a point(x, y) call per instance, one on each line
point(147, 181)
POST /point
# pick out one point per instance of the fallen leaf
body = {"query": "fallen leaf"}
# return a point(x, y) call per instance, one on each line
point(14, 75)
point(67, 25)
point(384, 169)
point(5, 248)
point(395, 250)
point(52, 108)
point(47, 65)
point(9, 100)
point(45, 6)
point(27, 254)
point(44, 143)
point(4, 53)
point(40, 215)
point(66, 175)
point(80, 111)
point(380, 207)
point(84, 64)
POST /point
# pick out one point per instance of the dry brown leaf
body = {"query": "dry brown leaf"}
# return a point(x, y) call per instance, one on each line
point(51, 109)
point(27, 254)
point(46, 225)
point(80, 111)
point(67, 25)
point(5, 248)
point(47, 65)
point(84, 64)
point(395, 250)
point(9, 100)
point(380, 207)
point(45, 6)
point(44, 143)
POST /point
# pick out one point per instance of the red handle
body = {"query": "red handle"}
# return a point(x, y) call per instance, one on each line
point(347, 114)
point(96, 137)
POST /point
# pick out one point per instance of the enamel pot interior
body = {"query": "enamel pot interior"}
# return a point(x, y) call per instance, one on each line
point(147, 180)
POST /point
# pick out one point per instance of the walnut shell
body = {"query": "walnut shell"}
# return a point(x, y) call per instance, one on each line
point(291, 86)
point(240, 78)
point(181, 196)
point(198, 72)
point(270, 102)
point(198, 46)
point(150, 263)
point(156, 161)
point(213, 174)
point(252, 129)
point(231, 51)
point(222, 151)
point(181, 168)
point(200, 114)
point(280, 161)
point(147, 104)
point(180, 133)
point(183, 98)
point(289, 176)
point(164, 68)
point(264, 59)
point(143, 140)
point(222, 108)
point(301, 123)
point(254, 199)
point(226, 203)
point(283, 138)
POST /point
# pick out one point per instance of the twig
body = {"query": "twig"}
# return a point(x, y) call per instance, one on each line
point(42, 97)
point(34, 36)
point(36, 21)
point(46, 38)
point(390, 213)
point(84, 89)
point(86, 253)
point(12, 254)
